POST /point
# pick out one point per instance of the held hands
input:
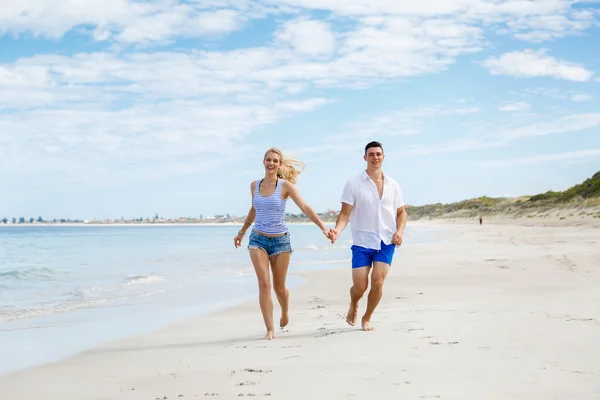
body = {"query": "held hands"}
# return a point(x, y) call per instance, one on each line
point(332, 235)
point(329, 234)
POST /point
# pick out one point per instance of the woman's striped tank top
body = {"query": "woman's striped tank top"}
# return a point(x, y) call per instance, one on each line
point(270, 210)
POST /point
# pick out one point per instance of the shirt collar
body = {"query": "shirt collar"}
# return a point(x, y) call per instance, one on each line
point(365, 176)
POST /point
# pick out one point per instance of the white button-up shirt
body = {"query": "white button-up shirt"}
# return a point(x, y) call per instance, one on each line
point(372, 219)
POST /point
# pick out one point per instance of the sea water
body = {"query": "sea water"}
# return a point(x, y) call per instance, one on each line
point(65, 289)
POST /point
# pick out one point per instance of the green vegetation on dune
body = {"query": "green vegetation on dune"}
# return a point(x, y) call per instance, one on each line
point(588, 189)
point(585, 194)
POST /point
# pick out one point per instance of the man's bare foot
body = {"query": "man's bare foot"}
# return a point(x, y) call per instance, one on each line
point(270, 335)
point(366, 325)
point(284, 320)
point(352, 314)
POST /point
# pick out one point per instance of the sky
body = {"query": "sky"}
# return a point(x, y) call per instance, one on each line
point(123, 108)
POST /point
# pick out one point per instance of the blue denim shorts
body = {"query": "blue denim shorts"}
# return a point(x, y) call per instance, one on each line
point(363, 257)
point(271, 245)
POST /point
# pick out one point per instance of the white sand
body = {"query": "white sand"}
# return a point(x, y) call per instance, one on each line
point(491, 312)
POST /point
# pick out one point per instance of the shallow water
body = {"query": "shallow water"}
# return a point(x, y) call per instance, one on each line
point(67, 289)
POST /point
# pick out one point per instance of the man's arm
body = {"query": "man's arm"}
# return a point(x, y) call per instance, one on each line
point(342, 220)
point(401, 218)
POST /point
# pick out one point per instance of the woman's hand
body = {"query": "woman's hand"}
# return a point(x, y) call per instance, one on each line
point(237, 241)
point(329, 235)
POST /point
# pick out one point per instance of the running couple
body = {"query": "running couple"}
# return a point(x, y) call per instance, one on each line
point(372, 203)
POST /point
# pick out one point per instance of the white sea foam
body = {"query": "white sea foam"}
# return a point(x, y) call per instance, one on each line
point(141, 279)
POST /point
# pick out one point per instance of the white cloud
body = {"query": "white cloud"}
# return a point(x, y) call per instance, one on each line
point(531, 63)
point(81, 113)
point(518, 106)
point(303, 105)
point(539, 28)
point(566, 124)
point(308, 37)
point(134, 21)
point(582, 156)
point(558, 94)
point(582, 97)
point(498, 134)
point(77, 141)
point(466, 110)
point(127, 21)
point(404, 122)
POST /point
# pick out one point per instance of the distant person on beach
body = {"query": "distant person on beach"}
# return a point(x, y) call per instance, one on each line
point(372, 203)
point(480, 220)
point(269, 242)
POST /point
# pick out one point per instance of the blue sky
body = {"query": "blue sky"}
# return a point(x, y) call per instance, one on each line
point(131, 108)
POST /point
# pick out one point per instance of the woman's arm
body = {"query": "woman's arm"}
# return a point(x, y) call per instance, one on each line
point(307, 210)
point(237, 241)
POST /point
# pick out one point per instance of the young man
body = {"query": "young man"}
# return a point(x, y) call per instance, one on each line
point(373, 205)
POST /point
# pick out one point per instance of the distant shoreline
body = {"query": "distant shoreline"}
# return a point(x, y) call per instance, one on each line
point(137, 224)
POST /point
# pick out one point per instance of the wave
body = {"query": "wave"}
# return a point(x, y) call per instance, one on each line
point(341, 245)
point(72, 305)
point(141, 279)
point(27, 273)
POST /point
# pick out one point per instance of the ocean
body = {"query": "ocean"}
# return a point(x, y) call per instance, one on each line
point(66, 289)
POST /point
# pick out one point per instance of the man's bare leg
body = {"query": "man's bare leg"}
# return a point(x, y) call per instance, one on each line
point(360, 281)
point(279, 265)
point(380, 271)
point(260, 260)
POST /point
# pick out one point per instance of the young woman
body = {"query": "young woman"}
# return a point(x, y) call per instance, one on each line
point(269, 242)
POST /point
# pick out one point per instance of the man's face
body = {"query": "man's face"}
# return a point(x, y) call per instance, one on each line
point(374, 157)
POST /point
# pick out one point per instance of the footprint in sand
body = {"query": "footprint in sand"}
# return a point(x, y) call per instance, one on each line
point(440, 343)
point(316, 299)
point(261, 371)
point(323, 334)
point(246, 383)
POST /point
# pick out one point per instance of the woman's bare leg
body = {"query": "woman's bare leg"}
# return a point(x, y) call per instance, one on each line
point(260, 260)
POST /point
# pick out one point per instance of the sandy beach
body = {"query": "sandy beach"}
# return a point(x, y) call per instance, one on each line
point(496, 311)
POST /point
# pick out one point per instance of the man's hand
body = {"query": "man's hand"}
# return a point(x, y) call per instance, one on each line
point(333, 235)
point(397, 238)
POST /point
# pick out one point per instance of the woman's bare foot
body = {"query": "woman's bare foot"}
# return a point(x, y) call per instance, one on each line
point(270, 335)
point(366, 325)
point(284, 302)
point(352, 314)
point(284, 319)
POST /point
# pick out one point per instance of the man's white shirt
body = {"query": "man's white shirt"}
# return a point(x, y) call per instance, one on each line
point(372, 219)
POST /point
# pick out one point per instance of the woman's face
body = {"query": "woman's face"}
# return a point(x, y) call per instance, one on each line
point(272, 162)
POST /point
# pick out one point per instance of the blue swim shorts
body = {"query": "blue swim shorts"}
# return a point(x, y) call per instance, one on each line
point(363, 257)
point(271, 245)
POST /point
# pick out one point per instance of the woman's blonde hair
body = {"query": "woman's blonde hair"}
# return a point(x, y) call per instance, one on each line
point(290, 168)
